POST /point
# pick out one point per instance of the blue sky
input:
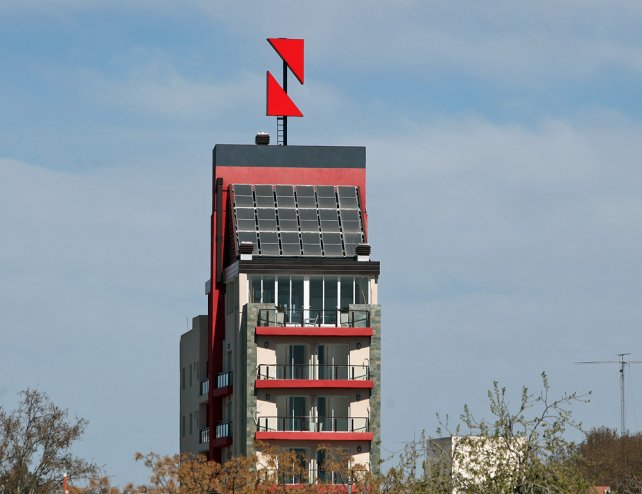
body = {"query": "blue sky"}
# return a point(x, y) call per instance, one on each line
point(503, 161)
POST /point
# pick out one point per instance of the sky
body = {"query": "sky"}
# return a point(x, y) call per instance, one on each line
point(504, 176)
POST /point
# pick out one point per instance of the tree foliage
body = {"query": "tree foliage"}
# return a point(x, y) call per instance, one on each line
point(271, 472)
point(610, 459)
point(36, 442)
point(530, 454)
point(520, 449)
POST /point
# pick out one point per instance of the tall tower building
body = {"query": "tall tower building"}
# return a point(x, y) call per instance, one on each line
point(289, 354)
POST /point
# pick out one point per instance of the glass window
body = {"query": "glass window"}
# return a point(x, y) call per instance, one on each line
point(316, 294)
point(284, 292)
point(347, 291)
point(268, 290)
point(330, 300)
point(297, 297)
point(362, 290)
point(255, 290)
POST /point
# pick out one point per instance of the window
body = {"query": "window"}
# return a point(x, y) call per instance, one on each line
point(321, 295)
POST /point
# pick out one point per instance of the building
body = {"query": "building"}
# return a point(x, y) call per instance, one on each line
point(472, 462)
point(294, 326)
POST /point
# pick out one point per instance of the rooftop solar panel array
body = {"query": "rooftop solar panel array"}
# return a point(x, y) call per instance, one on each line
point(298, 220)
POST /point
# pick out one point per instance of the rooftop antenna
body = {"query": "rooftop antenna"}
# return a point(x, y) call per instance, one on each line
point(622, 363)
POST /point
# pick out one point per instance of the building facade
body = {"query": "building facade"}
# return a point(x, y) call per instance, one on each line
point(294, 323)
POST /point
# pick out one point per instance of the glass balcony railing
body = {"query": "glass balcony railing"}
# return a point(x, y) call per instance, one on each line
point(224, 430)
point(313, 424)
point(204, 436)
point(224, 379)
point(330, 372)
point(301, 474)
point(205, 387)
point(344, 318)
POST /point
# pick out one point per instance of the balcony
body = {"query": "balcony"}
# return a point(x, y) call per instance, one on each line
point(223, 384)
point(309, 428)
point(205, 387)
point(223, 434)
point(313, 322)
point(313, 376)
point(204, 436)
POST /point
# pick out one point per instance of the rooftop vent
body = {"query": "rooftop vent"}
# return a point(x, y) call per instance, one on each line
point(262, 139)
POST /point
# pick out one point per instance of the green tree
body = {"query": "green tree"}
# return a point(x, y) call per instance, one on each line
point(613, 460)
point(518, 450)
point(36, 442)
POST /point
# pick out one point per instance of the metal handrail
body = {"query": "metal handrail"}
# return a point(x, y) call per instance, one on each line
point(313, 424)
point(205, 387)
point(224, 429)
point(204, 436)
point(342, 318)
point(224, 379)
point(315, 371)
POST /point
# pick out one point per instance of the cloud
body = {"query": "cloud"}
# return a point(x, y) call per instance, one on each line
point(158, 89)
point(99, 271)
point(505, 251)
point(502, 42)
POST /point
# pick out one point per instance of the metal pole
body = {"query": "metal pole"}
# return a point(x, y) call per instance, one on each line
point(285, 118)
point(622, 408)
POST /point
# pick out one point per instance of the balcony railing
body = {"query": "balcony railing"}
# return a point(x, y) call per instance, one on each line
point(224, 430)
point(313, 424)
point(224, 379)
point(205, 387)
point(331, 372)
point(344, 318)
point(204, 436)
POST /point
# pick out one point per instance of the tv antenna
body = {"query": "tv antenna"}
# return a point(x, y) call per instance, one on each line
point(622, 363)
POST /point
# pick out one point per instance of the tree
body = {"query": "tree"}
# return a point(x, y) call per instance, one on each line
point(610, 459)
point(35, 446)
point(521, 450)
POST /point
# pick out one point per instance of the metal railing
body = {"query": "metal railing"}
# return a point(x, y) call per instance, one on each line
point(343, 318)
point(306, 475)
point(224, 429)
point(224, 379)
point(204, 436)
point(205, 387)
point(295, 371)
point(313, 424)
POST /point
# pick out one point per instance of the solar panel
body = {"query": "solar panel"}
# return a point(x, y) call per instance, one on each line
point(290, 244)
point(329, 220)
point(285, 196)
point(269, 243)
point(305, 197)
point(267, 219)
point(312, 250)
point(326, 196)
point(332, 250)
point(348, 198)
point(289, 220)
point(241, 201)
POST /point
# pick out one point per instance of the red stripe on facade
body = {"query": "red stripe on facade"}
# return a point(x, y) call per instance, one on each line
point(315, 436)
point(221, 442)
point(313, 383)
point(220, 392)
point(311, 331)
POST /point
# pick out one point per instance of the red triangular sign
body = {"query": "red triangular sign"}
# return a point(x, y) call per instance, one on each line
point(291, 51)
point(279, 103)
